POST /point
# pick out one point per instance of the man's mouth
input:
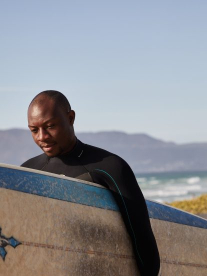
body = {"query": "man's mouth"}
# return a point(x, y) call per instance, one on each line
point(48, 147)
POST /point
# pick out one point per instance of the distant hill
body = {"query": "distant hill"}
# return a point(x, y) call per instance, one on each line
point(142, 152)
point(16, 146)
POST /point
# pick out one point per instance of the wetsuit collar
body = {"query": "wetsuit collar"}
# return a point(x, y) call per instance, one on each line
point(77, 151)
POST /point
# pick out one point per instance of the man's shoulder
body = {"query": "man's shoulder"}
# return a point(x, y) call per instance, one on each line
point(104, 155)
point(98, 160)
point(36, 162)
point(96, 151)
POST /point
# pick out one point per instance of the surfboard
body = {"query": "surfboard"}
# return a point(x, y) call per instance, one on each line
point(55, 225)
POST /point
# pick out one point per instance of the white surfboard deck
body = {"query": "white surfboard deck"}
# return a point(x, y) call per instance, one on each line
point(55, 225)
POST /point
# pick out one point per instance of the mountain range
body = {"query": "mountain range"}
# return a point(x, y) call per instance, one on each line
point(144, 153)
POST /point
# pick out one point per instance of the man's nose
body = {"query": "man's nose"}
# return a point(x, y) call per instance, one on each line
point(43, 135)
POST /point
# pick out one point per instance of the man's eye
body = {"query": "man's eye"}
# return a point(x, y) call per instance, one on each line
point(34, 130)
point(50, 126)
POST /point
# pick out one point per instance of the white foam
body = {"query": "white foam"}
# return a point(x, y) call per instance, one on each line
point(184, 188)
point(141, 179)
point(162, 193)
point(164, 188)
point(154, 182)
point(171, 191)
point(193, 180)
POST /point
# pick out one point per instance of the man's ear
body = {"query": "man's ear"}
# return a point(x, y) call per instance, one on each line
point(71, 116)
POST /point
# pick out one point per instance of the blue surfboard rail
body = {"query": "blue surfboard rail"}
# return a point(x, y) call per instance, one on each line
point(81, 193)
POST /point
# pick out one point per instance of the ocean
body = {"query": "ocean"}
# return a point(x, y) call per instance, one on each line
point(168, 187)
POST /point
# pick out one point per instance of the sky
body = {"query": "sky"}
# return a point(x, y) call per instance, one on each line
point(132, 66)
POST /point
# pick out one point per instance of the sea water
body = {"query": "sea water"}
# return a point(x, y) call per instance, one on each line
point(168, 187)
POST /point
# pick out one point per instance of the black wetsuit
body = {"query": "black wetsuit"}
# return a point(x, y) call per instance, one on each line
point(99, 166)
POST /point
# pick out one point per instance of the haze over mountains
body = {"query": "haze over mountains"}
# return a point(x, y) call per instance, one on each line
point(142, 152)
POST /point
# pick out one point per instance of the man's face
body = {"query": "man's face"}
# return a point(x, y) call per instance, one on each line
point(51, 127)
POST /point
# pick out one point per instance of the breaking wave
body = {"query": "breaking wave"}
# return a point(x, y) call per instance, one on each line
point(173, 186)
point(193, 180)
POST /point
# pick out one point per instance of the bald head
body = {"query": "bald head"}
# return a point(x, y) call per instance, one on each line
point(51, 120)
point(56, 97)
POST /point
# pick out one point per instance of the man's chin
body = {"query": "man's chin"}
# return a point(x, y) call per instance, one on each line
point(50, 154)
point(53, 153)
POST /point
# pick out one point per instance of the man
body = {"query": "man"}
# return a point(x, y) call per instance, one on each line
point(50, 120)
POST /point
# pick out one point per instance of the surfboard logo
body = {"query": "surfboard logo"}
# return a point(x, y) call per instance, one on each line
point(6, 241)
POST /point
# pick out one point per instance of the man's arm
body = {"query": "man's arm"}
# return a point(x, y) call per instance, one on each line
point(131, 202)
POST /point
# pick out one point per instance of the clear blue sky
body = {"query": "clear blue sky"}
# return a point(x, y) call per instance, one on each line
point(134, 66)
